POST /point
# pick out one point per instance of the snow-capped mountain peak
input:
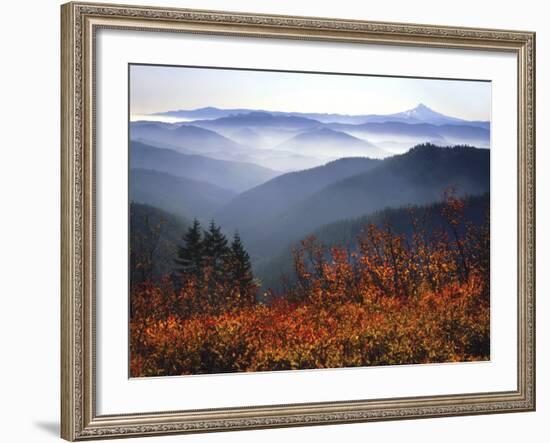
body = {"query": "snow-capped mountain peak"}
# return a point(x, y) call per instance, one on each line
point(421, 112)
point(424, 114)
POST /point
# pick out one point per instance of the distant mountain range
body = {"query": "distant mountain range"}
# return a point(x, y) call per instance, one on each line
point(188, 139)
point(322, 142)
point(400, 135)
point(261, 119)
point(423, 114)
point(290, 141)
point(420, 114)
point(270, 130)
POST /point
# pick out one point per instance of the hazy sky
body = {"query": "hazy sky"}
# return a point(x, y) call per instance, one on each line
point(161, 88)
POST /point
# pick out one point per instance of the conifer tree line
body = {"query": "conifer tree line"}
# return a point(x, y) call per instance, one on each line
point(219, 271)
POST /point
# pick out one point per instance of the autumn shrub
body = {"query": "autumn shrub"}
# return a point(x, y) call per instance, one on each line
point(448, 326)
point(391, 300)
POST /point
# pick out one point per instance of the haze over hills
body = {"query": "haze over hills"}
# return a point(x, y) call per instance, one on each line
point(345, 232)
point(188, 139)
point(279, 159)
point(260, 119)
point(184, 136)
point(185, 197)
point(278, 195)
point(417, 177)
point(326, 142)
point(269, 129)
point(404, 135)
point(247, 137)
point(234, 176)
point(291, 141)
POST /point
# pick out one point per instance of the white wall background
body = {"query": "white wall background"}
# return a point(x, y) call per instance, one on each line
point(29, 221)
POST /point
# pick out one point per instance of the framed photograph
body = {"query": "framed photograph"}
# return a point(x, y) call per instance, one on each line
point(282, 221)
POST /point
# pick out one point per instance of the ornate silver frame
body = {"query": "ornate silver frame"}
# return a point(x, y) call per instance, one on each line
point(80, 21)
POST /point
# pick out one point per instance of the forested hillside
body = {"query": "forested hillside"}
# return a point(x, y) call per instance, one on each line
point(154, 236)
point(344, 233)
point(395, 299)
point(418, 177)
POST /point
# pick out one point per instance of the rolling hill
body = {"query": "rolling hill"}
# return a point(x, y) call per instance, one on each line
point(271, 129)
point(182, 196)
point(418, 177)
point(345, 232)
point(194, 140)
point(325, 142)
point(407, 134)
point(260, 119)
point(188, 139)
point(278, 195)
point(235, 176)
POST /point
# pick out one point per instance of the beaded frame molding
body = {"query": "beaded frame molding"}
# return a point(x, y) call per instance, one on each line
point(79, 22)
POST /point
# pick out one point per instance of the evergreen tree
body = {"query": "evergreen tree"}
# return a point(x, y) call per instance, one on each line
point(241, 269)
point(217, 255)
point(190, 258)
point(215, 247)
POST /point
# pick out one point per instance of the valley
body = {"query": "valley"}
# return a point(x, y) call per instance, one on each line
point(276, 178)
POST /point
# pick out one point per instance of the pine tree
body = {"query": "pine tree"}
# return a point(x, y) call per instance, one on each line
point(190, 258)
point(241, 269)
point(215, 247)
point(217, 254)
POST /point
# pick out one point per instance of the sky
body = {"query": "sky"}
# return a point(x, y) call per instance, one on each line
point(162, 88)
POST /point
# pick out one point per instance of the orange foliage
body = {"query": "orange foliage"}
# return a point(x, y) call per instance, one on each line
point(393, 300)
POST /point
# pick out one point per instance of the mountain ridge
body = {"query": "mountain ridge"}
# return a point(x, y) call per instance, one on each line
point(178, 195)
point(236, 176)
point(278, 194)
point(417, 177)
point(322, 141)
point(421, 112)
point(344, 232)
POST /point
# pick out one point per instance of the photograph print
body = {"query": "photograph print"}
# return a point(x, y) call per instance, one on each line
point(286, 220)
